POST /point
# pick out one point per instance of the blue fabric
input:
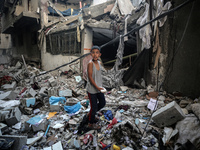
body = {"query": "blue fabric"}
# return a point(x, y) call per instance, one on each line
point(54, 99)
point(108, 115)
point(73, 108)
point(66, 12)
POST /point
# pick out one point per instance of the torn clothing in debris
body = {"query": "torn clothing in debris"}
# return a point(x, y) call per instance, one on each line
point(146, 32)
point(113, 78)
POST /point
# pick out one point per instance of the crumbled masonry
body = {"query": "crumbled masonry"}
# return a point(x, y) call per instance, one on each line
point(51, 113)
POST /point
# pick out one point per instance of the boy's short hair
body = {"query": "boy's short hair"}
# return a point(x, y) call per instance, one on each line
point(96, 47)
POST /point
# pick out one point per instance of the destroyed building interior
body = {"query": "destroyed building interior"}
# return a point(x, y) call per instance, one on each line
point(150, 72)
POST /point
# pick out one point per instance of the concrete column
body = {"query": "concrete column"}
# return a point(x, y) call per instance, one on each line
point(88, 43)
point(88, 36)
point(25, 4)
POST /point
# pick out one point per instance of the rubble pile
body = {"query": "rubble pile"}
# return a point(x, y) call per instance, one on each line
point(51, 112)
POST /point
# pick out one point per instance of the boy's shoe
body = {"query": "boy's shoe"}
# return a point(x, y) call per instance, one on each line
point(94, 126)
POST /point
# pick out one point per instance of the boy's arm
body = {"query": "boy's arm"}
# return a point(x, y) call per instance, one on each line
point(90, 70)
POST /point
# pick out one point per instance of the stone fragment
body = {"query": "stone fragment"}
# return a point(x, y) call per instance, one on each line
point(3, 128)
point(168, 115)
point(52, 82)
point(196, 109)
point(10, 95)
point(13, 117)
point(184, 103)
point(41, 127)
point(9, 87)
point(55, 107)
point(57, 146)
point(66, 92)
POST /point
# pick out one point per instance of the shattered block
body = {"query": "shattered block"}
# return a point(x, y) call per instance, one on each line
point(3, 127)
point(10, 95)
point(66, 92)
point(19, 141)
point(168, 115)
point(3, 114)
point(8, 87)
point(41, 127)
point(14, 117)
point(43, 91)
point(57, 146)
point(32, 92)
point(52, 82)
point(55, 107)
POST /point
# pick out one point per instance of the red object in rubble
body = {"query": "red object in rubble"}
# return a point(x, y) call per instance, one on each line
point(23, 91)
point(103, 145)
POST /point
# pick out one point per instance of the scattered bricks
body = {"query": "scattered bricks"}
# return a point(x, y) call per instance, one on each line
point(41, 127)
point(55, 107)
point(196, 110)
point(9, 87)
point(66, 92)
point(14, 117)
point(3, 127)
point(19, 142)
point(168, 115)
point(10, 95)
point(52, 82)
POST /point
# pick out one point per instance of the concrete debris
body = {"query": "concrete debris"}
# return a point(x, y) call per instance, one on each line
point(188, 129)
point(37, 114)
point(168, 115)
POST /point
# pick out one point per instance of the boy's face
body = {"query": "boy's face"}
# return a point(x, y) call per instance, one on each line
point(95, 54)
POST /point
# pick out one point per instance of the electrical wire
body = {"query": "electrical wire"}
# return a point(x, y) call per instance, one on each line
point(117, 38)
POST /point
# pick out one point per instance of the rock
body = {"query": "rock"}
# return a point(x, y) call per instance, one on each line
point(196, 109)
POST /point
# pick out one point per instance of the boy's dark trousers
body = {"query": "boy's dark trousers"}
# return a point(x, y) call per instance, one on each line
point(97, 101)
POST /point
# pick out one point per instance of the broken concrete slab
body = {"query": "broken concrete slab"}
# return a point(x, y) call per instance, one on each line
point(55, 107)
point(9, 87)
point(99, 24)
point(188, 130)
point(19, 142)
point(57, 146)
point(98, 10)
point(10, 95)
point(52, 82)
point(125, 6)
point(41, 127)
point(168, 115)
point(66, 92)
point(32, 92)
point(3, 127)
point(13, 117)
point(43, 91)
point(3, 114)
point(31, 141)
point(10, 103)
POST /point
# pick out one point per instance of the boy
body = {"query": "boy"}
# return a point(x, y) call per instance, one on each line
point(94, 86)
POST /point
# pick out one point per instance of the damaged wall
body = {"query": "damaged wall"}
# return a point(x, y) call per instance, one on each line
point(52, 61)
point(183, 75)
point(5, 45)
point(25, 43)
